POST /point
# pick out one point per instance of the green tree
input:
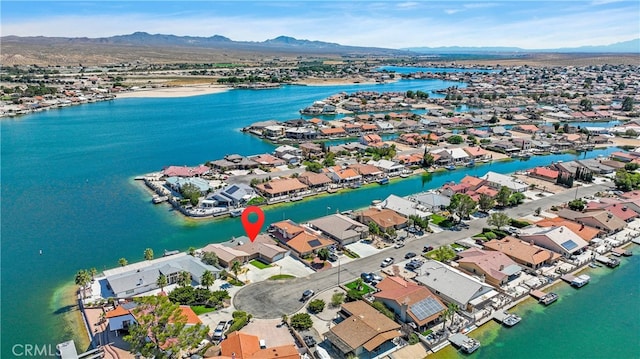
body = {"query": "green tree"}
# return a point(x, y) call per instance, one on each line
point(516, 198)
point(503, 196)
point(486, 202)
point(316, 306)
point(337, 299)
point(498, 220)
point(428, 160)
point(207, 279)
point(577, 204)
point(390, 232)
point(160, 329)
point(122, 262)
point(191, 192)
point(314, 166)
point(162, 282)
point(301, 321)
point(93, 272)
point(235, 268)
point(631, 166)
point(148, 254)
point(462, 205)
point(184, 279)
point(82, 278)
point(627, 104)
point(323, 253)
point(586, 105)
point(210, 258)
point(455, 139)
point(329, 159)
point(192, 251)
point(374, 229)
point(444, 254)
point(379, 306)
point(353, 295)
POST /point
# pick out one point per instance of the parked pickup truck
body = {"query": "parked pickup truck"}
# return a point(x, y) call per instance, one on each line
point(218, 333)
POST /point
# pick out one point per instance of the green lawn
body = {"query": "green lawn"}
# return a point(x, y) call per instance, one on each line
point(281, 276)
point(437, 219)
point(201, 309)
point(456, 245)
point(365, 288)
point(259, 265)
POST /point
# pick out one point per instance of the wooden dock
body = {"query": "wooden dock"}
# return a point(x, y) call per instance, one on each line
point(538, 294)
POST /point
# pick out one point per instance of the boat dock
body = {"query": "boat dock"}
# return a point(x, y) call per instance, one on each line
point(505, 318)
point(609, 262)
point(468, 345)
point(621, 252)
point(578, 281)
point(544, 298)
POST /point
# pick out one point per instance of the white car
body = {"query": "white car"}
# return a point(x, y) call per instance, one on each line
point(386, 262)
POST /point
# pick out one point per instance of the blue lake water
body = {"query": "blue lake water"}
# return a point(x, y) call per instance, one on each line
point(67, 188)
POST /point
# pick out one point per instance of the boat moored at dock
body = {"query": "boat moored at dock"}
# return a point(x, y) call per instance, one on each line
point(466, 344)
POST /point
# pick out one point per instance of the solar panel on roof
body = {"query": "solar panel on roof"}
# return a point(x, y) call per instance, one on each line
point(232, 189)
point(426, 308)
point(314, 243)
point(569, 245)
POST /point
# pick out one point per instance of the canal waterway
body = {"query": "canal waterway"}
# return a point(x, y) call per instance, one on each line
point(69, 201)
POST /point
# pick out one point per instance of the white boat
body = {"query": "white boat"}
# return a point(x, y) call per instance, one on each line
point(236, 212)
point(580, 281)
point(159, 199)
point(511, 319)
point(466, 344)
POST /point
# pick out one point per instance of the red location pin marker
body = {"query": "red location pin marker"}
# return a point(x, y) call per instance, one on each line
point(252, 228)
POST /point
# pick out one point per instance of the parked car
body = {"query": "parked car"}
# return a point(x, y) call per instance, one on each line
point(309, 341)
point(413, 264)
point(307, 294)
point(333, 257)
point(409, 255)
point(387, 262)
point(399, 244)
point(366, 277)
point(427, 249)
point(218, 333)
point(375, 277)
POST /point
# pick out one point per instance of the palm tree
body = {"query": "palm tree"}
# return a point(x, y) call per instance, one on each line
point(207, 279)
point(148, 254)
point(123, 262)
point(359, 283)
point(82, 279)
point(184, 279)
point(192, 251)
point(93, 273)
point(285, 319)
point(235, 268)
point(162, 282)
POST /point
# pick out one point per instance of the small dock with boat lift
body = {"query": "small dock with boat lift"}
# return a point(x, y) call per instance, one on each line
point(609, 262)
point(544, 298)
point(621, 252)
point(466, 344)
point(579, 281)
point(508, 319)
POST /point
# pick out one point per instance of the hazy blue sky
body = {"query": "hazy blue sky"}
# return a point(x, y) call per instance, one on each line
point(391, 24)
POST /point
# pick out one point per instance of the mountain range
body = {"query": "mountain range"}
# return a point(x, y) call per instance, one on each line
point(631, 46)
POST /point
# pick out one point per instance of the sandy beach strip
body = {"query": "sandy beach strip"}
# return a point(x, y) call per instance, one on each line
point(169, 92)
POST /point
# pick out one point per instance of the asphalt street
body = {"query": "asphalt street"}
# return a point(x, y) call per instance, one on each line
point(272, 299)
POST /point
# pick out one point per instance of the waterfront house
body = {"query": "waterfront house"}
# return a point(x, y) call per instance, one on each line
point(315, 181)
point(368, 172)
point(340, 228)
point(403, 206)
point(301, 133)
point(596, 166)
point(332, 132)
point(526, 128)
point(243, 250)
point(384, 218)
point(363, 331)
point(371, 140)
point(525, 254)
point(585, 232)
point(454, 156)
point(233, 195)
point(476, 153)
point(343, 176)
point(411, 303)
point(498, 180)
point(544, 173)
point(495, 267)
point(226, 254)
point(473, 183)
point(413, 159)
point(176, 183)
point(139, 278)
point(273, 132)
point(240, 345)
point(285, 230)
point(453, 286)
point(558, 239)
point(234, 162)
point(184, 171)
point(449, 189)
point(281, 187)
point(602, 220)
point(432, 201)
point(521, 143)
point(622, 156)
point(390, 168)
